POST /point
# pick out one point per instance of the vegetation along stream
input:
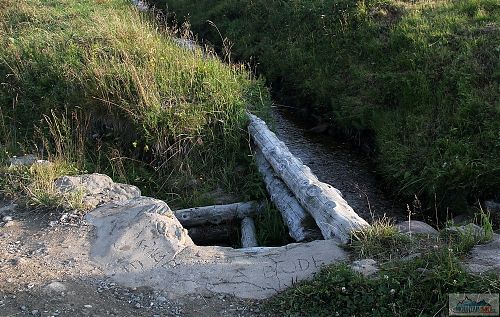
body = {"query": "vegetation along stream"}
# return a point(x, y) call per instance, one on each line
point(417, 81)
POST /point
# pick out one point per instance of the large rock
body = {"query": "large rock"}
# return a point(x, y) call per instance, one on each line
point(140, 243)
point(97, 189)
point(485, 257)
point(416, 227)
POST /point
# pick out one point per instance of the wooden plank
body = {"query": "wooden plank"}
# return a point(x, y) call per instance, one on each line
point(248, 236)
point(301, 225)
point(217, 214)
point(333, 215)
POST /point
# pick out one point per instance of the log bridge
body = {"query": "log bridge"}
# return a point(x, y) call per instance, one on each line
point(310, 208)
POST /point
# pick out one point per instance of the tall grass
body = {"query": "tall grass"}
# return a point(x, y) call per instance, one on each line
point(420, 77)
point(105, 85)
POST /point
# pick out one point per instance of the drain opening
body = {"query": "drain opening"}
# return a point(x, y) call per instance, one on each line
point(242, 225)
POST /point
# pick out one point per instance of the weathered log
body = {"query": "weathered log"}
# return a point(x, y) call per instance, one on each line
point(248, 237)
point(301, 225)
point(332, 213)
point(222, 234)
point(217, 214)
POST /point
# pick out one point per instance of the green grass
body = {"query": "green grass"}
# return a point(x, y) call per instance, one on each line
point(405, 286)
point(101, 85)
point(412, 288)
point(419, 77)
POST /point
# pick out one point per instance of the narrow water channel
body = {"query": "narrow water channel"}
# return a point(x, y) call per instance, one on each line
point(338, 164)
point(334, 162)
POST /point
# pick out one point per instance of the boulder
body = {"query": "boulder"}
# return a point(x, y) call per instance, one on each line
point(493, 207)
point(140, 242)
point(97, 189)
point(415, 226)
point(485, 257)
point(474, 230)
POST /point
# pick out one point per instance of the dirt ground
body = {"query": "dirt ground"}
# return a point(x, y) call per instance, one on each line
point(45, 270)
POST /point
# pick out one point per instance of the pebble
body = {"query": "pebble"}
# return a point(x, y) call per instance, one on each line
point(137, 305)
point(8, 224)
point(18, 261)
point(56, 287)
point(7, 218)
point(87, 306)
point(35, 312)
point(161, 299)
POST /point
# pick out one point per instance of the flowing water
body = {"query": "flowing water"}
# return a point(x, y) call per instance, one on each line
point(333, 161)
point(338, 164)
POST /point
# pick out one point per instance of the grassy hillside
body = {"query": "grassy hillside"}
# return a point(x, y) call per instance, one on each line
point(420, 77)
point(100, 85)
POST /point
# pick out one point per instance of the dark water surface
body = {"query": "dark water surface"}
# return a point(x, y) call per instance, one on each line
point(339, 165)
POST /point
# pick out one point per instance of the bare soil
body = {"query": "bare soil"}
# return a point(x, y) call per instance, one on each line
point(45, 270)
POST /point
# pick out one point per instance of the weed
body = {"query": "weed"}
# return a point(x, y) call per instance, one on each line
point(34, 185)
point(381, 240)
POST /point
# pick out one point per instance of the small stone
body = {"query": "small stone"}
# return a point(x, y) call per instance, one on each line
point(18, 261)
point(415, 227)
point(87, 306)
point(23, 308)
point(161, 299)
point(137, 306)
point(422, 270)
point(7, 218)
point(26, 160)
point(411, 256)
point(7, 209)
point(9, 224)
point(366, 267)
point(56, 287)
point(35, 312)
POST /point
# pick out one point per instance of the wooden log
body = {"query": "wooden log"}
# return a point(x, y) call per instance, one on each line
point(222, 234)
point(301, 225)
point(217, 214)
point(333, 215)
point(248, 236)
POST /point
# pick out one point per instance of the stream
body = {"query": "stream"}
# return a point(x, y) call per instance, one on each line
point(336, 162)
point(333, 161)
